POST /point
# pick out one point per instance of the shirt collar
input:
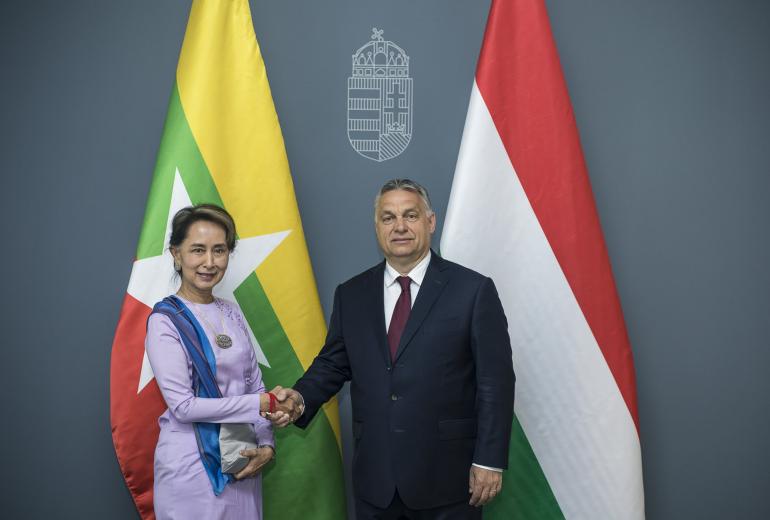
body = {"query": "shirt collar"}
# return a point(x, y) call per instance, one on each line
point(416, 274)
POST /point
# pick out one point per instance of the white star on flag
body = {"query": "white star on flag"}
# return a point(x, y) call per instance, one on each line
point(153, 278)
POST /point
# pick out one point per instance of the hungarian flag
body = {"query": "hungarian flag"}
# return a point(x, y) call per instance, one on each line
point(521, 210)
point(222, 144)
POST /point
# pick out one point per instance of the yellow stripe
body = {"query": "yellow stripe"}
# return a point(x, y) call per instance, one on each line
point(227, 101)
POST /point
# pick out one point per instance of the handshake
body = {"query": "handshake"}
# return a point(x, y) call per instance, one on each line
point(284, 406)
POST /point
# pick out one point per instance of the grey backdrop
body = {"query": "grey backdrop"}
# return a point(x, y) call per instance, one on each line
point(672, 103)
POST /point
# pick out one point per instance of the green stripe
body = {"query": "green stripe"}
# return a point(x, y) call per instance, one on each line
point(526, 494)
point(308, 461)
point(177, 150)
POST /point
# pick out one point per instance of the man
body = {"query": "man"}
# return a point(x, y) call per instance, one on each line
point(424, 343)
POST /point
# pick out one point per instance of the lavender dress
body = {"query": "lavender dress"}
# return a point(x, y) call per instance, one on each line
point(182, 488)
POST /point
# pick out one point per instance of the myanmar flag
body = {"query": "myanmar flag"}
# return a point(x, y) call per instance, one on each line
point(521, 210)
point(222, 144)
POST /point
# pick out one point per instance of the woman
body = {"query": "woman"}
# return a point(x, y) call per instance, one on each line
point(189, 482)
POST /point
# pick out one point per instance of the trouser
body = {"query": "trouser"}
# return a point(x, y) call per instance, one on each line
point(397, 510)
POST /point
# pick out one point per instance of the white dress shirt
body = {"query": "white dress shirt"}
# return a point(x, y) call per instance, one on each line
point(393, 290)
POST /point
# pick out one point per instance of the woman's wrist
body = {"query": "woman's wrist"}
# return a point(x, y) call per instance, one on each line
point(264, 402)
point(268, 447)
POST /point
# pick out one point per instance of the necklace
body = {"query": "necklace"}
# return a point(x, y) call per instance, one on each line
point(222, 340)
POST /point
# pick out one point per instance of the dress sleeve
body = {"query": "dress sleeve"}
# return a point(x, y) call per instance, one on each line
point(263, 427)
point(173, 372)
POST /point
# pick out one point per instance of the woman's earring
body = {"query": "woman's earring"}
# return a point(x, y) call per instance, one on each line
point(177, 267)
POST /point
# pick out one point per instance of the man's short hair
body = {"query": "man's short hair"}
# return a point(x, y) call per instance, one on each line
point(406, 185)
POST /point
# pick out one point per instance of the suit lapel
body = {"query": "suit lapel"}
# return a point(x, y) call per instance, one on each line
point(432, 285)
point(376, 309)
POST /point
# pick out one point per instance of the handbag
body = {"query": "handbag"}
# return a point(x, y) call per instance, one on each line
point(234, 438)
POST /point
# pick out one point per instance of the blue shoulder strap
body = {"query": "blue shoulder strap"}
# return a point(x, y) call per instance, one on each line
point(204, 365)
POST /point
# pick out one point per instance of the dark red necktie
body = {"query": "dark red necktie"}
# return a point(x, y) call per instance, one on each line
point(400, 315)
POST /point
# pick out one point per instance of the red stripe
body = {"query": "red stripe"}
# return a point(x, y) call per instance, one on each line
point(134, 417)
point(519, 77)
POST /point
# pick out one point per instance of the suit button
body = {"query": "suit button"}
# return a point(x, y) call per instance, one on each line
point(388, 369)
point(393, 397)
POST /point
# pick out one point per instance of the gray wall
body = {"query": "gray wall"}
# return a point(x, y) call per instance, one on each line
point(671, 100)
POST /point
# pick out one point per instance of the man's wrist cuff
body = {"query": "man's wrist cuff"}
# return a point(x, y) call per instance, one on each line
point(488, 467)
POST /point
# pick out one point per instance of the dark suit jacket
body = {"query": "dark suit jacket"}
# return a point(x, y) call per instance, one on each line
point(446, 401)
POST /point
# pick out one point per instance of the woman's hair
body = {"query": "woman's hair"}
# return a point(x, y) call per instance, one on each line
point(186, 217)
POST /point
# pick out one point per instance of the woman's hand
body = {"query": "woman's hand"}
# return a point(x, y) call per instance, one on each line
point(258, 458)
point(288, 406)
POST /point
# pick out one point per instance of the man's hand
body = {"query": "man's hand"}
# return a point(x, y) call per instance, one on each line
point(258, 457)
point(484, 485)
point(289, 408)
